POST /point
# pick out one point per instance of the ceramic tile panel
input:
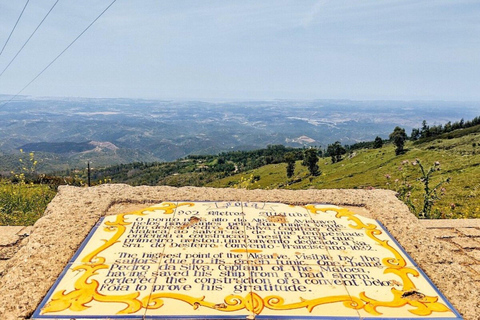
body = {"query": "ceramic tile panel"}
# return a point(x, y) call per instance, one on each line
point(207, 260)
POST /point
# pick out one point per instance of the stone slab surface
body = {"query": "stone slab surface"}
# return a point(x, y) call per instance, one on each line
point(447, 224)
point(11, 240)
point(463, 237)
point(242, 259)
point(9, 235)
point(470, 232)
point(32, 271)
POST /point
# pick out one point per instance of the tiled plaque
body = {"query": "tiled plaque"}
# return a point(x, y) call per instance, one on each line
point(205, 260)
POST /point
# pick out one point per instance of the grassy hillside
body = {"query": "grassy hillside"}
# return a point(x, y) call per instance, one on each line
point(22, 204)
point(454, 156)
point(459, 160)
point(194, 170)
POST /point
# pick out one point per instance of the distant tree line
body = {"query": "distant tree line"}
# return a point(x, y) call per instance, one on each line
point(375, 144)
point(398, 137)
point(199, 169)
point(248, 160)
point(196, 169)
point(427, 131)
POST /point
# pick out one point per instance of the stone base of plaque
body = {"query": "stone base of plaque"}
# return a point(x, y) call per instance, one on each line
point(123, 252)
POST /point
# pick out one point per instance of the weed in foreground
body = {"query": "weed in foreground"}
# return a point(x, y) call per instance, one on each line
point(22, 204)
point(21, 201)
point(428, 192)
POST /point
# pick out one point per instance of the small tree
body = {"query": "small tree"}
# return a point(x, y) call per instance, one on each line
point(398, 136)
point(378, 143)
point(425, 131)
point(290, 160)
point(415, 134)
point(336, 151)
point(310, 160)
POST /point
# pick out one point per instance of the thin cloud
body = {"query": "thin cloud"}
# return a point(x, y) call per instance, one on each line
point(312, 14)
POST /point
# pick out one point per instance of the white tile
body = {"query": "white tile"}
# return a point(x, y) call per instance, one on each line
point(215, 232)
point(201, 290)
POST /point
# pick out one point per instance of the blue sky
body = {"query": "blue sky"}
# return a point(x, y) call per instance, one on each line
point(298, 49)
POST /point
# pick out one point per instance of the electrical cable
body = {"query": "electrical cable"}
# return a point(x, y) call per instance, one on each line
point(60, 54)
point(41, 22)
point(21, 13)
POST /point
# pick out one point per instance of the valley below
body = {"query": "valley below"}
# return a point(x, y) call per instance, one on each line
point(67, 133)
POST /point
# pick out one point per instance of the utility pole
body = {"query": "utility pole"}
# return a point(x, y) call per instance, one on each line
point(88, 172)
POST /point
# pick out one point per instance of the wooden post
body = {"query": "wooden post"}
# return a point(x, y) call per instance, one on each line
point(88, 172)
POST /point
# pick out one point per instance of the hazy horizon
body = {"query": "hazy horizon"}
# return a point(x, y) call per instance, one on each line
point(226, 50)
point(219, 99)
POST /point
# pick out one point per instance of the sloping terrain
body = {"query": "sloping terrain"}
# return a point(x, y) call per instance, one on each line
point(454, 156)
point(459, 160)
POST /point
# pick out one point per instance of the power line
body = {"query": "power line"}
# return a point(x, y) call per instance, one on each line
point(60, 54)
point(8, 65)
point(21, 13)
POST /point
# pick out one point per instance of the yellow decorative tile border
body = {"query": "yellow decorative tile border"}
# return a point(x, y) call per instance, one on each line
point(238, 259)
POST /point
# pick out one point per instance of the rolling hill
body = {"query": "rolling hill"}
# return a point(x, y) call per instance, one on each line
point(157, 130)
point(457, 154)
point(458, 158)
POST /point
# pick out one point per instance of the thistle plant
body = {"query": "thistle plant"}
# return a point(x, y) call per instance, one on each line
point(430, 192)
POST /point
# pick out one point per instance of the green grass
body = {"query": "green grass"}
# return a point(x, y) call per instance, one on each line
point(459, 157)
point(23, 204)
point(369, 168)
